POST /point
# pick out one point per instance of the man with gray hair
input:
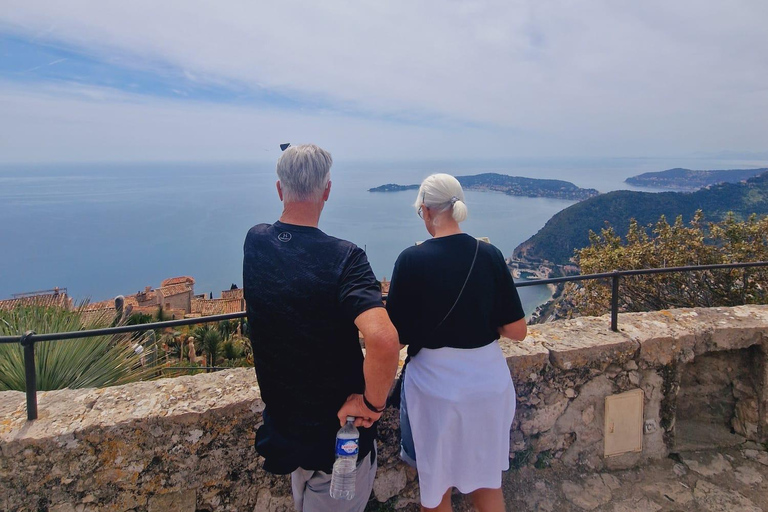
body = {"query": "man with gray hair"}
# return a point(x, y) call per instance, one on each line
point(307, 295)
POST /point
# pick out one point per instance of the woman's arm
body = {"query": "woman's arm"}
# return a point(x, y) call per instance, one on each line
point(401, 301)
point(515, 331)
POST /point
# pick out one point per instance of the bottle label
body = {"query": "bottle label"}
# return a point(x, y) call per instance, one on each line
point(346, 447)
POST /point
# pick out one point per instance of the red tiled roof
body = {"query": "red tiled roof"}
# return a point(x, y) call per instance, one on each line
point(177, 280)
point(208, 307)
point(174, 289)
point(104, 304)
point(59, 300)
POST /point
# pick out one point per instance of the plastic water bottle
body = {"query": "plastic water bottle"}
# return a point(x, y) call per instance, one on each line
point(345, 467)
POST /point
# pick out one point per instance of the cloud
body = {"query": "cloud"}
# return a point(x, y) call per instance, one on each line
point(594, 77)
point(79, 123)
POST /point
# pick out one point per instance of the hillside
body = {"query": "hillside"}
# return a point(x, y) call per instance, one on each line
point(569, 229)
point(510, 185)
point(687, 179)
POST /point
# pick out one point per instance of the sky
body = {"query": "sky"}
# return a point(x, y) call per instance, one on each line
point(175, 80)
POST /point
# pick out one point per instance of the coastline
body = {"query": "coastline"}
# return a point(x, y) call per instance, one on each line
point(535, 298)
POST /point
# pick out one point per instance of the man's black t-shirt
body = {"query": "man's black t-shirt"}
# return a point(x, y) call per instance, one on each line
point(303, 291)
point(426, 282)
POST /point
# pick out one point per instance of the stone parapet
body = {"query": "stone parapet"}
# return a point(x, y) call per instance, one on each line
point(186, 444)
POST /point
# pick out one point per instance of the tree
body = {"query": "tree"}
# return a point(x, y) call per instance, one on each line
point(698, 243)
point(79, 363)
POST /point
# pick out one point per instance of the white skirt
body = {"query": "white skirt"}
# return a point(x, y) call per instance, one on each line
point(461, 403)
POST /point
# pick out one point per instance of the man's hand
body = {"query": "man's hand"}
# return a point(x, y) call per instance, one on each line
point(354, 406)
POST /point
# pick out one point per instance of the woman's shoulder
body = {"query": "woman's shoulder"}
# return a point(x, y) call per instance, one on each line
point(491, 249)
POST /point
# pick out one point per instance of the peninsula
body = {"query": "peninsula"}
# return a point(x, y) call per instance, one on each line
point(689, 180)
point(510, 185)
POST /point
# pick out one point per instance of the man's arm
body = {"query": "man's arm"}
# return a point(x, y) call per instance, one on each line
point(382, 354)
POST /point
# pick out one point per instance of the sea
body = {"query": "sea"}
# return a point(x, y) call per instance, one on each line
point(100, 230)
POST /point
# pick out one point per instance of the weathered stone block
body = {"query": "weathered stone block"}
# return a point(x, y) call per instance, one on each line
point(586, 342)
point(542, 418)
point(662, 339)
point(734, 328)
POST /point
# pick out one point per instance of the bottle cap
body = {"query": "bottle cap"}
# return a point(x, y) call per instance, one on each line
point(350, 418)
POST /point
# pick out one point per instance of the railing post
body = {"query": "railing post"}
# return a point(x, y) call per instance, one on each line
point(615, 302)
point(30, 377)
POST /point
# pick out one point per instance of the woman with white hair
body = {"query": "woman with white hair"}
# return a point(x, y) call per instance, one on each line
point(451, 298)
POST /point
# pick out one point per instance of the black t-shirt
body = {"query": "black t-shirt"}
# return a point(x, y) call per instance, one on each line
point(303, 291)
point(426, 282)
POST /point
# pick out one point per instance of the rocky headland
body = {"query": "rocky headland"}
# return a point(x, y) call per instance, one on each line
point(510, 185)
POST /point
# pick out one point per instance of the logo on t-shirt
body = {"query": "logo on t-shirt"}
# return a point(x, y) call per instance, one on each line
point(284, 236)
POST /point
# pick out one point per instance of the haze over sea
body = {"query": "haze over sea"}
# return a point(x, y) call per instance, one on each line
point(106, 229)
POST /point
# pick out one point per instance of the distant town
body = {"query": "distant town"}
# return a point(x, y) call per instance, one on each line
point(175, 297)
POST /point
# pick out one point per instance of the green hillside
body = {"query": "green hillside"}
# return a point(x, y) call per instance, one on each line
point(569, 229)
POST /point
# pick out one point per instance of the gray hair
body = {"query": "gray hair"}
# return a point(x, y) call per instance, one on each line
point(442, 192)
point(304, 172)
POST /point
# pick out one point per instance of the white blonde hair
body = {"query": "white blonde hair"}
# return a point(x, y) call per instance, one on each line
point(442, 192)
point(304, 172)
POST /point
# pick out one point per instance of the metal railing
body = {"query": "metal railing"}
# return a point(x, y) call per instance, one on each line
point(28, 339)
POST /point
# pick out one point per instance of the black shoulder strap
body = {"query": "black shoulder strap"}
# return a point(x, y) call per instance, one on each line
point(474, 259)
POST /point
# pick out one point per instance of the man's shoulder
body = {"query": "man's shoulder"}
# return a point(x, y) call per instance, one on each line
point(260, 229)
point(341, 243)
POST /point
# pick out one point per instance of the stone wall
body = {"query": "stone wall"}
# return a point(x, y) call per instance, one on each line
point(186, 444)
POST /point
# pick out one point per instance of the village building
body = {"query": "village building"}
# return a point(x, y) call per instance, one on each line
point(56, 297)
point(231, 301)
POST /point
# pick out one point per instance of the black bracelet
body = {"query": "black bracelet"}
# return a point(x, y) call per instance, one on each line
point(371, 406)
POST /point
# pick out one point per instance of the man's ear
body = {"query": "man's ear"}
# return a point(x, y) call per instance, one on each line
point(279, 190)
point(327, 191)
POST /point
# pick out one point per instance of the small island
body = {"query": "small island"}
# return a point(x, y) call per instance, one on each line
point(688, 180)
point(510, 185)
point(392, 187)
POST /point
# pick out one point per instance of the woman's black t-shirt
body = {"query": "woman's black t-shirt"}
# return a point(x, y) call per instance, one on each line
point(426, 282)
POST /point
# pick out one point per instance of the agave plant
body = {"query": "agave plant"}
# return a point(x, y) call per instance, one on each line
point(98, 361)
point(212, 346)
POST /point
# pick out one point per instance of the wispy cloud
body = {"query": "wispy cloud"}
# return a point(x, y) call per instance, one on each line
point(52, 63)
